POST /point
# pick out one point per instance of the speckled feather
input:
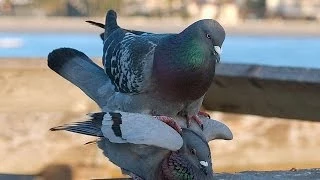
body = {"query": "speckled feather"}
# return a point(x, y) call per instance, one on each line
point(127, 63)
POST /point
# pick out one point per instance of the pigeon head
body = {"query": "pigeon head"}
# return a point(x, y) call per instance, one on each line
point(192, 160)
point(197, 151)
point(206, 34)
point(184, 64)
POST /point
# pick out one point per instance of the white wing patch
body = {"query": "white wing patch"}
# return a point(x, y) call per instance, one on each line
point(136, 128)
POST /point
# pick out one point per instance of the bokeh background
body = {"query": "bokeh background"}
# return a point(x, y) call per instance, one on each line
point(277, 33)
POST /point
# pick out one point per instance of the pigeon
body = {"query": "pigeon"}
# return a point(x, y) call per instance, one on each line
point(155, 97)
point(80, 70)
point(161, 74)
point(154, 151)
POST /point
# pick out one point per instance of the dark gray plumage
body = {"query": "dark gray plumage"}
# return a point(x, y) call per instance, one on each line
point(158, 74)
point(80, 70)
point(140, 151)
point(161, 74)
point(76, 67)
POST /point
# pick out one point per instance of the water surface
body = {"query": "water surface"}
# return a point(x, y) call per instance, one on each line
point(268, 50)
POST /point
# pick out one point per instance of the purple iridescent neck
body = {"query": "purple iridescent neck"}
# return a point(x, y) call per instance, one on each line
point(176, 167)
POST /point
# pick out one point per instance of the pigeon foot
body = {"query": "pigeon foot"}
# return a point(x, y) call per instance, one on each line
point(202, 113)
point(171, 122)
point(195, 118)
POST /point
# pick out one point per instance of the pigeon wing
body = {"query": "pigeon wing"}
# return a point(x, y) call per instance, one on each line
point(124, 127)
point(212, 129)
point(140, 129)
point(127, 57)
point(128, 61)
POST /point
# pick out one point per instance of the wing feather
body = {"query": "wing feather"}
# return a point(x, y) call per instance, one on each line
point(140, 129)
point(128, 61)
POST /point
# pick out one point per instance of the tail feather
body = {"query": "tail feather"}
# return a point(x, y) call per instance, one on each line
point(80, 70)
point(98, 25)
point(95, 24)
point(90, 127)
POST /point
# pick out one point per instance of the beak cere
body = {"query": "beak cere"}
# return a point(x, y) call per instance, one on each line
point(204, 163)
point(218, 50)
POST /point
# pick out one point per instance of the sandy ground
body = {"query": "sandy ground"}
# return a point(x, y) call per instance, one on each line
point(250, 27)
point(34, 99)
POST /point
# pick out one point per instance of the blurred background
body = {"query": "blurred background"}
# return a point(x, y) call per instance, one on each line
point(266, 90)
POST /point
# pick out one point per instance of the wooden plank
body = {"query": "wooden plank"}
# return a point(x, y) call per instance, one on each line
point(284, 92)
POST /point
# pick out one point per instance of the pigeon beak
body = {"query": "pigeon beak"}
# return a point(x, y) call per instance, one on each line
point(204, 166)
point(218, 50)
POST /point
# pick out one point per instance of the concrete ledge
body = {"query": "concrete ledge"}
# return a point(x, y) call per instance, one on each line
point(284, 92)
point(266, 175)
point(247, 175)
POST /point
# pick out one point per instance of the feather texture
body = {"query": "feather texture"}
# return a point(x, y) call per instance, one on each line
point(145, 146)
point(128, 62)
point(170, 71)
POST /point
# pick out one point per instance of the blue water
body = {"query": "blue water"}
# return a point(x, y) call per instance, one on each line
point(277, 51)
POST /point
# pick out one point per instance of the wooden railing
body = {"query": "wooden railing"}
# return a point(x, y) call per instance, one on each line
point(267, 91)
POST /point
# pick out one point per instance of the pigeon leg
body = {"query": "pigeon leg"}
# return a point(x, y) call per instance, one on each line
point(171, 122)
point(195, 118)
point(202, 113)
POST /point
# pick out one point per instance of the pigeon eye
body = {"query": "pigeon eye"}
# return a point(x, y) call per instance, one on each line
point(193, 151)
point(208, 36)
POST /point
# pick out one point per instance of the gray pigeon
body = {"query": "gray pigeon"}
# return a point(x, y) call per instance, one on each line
point(154, 151)
point(161, 74)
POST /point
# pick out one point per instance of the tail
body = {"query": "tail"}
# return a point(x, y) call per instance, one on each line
point(91, 127)
point(80, 70)
point(110, 23)
point(98, 25)
point(109, 26)
point(95, 24)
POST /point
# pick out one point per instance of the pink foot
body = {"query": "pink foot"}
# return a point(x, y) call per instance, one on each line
point(195, 118)
point(202, 113)
point(169, 121)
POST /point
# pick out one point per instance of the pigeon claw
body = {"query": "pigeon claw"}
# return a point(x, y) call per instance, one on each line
point(170, 122)
point(202, 113)
point(196, 119)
